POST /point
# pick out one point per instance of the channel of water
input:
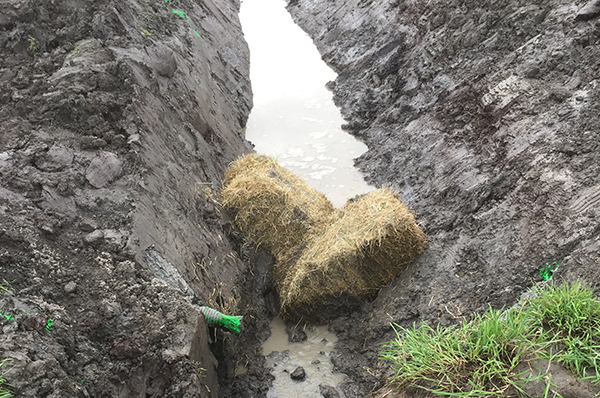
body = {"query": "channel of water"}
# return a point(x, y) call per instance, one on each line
point(295, 120)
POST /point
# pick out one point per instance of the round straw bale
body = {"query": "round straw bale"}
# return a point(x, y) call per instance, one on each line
point(273, 206)
point(371, 240)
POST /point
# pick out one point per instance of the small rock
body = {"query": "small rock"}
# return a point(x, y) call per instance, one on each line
point(133, 138)
point(103, 169)
point(328, 392)
point(47, 228)
point(94, 236)
point(55, 159)
point(316, 362)
point(163, 61)
point(87, 225)
point(70, 287)
point(298, 374)
point(295, 334)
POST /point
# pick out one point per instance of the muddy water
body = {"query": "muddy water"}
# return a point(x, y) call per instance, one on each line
point(313, 355)
point(294, 118)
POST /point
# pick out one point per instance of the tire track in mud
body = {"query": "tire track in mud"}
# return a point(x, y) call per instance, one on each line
point(588, 199)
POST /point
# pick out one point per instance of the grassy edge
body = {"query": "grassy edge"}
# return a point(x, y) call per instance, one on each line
point(573, 312)
point(480, 356)
point(4, 393)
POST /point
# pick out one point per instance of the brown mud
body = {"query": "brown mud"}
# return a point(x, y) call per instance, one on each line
point(484, 115)
point(118, 119)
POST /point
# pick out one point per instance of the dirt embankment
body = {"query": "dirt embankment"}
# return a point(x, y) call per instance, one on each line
point(116, 118)
point(484, 115)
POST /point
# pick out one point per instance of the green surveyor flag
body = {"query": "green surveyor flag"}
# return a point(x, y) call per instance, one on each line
point(215, 319)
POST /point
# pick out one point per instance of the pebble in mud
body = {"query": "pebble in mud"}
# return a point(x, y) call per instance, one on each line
point(328, 392)
point(295, 334)
point(94, 236)
point(298, 374)
point(70, 287)
point(103, 169)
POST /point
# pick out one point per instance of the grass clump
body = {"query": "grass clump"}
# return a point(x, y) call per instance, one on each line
point(481, 357)
point(32, 45)
point(4, 392)
point(472, 359)
point(573, 312)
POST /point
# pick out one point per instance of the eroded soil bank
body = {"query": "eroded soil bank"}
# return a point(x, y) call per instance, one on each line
point(116, 117)
point(117, 120)
point(484, 115)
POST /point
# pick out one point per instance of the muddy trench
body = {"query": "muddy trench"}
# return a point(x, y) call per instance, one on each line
point(118, 120)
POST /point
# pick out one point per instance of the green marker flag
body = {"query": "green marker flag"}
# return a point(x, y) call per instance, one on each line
point(215, 319)
point(548, 270)
point(181, 14)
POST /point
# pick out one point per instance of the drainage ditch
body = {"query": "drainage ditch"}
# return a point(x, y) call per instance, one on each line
point(295, 120)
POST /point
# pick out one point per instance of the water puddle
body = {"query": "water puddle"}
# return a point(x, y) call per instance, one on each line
point(313, 355)
point(294, 118)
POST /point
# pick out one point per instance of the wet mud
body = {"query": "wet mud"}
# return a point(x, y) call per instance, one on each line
point(484, 116)
point(118, 119)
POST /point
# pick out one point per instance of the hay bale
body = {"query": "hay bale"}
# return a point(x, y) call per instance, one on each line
point(371, 240)
point(320, 252)
point(273, 206)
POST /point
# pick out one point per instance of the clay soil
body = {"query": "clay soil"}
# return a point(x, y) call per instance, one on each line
point(484, 115)
point(118, 120)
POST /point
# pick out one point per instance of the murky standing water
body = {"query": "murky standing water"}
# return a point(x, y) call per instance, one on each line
point(313, 355)
point(294, 118)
